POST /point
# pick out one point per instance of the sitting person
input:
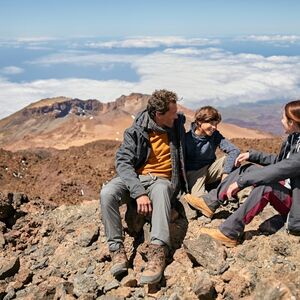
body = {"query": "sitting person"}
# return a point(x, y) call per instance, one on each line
point(277, 182)
point(201, 164)
point(149, 165)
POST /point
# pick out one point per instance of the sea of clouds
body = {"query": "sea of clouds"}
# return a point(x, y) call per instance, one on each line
point(199, 70)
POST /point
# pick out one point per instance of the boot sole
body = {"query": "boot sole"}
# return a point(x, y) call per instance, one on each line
point(150, 279)
point(229, 245)
point(118, 270)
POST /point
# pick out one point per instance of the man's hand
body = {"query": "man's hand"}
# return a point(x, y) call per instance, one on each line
point(232, 190)
point(242, 157)
point(144, 206)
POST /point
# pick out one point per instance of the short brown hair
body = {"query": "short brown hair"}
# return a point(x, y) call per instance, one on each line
point(292, 111)
point(207, 114)
point(159, 102)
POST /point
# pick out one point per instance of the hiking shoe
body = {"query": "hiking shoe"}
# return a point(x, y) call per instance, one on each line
point(156, 264)
point(119, 260)
point(219, 236)
point(199, 204)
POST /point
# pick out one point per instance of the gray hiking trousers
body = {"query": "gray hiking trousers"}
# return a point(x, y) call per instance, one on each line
point(115, 193)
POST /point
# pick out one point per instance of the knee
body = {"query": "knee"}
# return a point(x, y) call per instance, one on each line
point(106, 197)
point(161, 197)
point(165, 187)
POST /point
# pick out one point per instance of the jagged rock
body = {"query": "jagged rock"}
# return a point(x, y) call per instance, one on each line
point(9, 267)
point(275, 290)
point(64, 291)
point(228, 275)
point(2, 289)
point(103, 254)
point(174, 296)
point(2, 240)
point(187, 212)
point(176, 272)
point(129, 280)
point(85, 284)
point(241, 284)
point(10, 295)
point(181, 265)
point(23, 277)
point(204, 287)
point(17, 199)
point(281, 246)
point(122, 292)
point(181, 256)
point(6, 210)
point(2, 226)
point(86, 297)
point(111, 285)
point(87, 234)
point(208, 253)
point(41, 264)
point(172, 270)
point(47, 288)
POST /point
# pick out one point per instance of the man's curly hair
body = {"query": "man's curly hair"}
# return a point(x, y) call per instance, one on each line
point(159, 102)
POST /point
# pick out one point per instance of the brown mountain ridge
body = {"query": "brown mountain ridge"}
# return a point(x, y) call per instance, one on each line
point(63, 122)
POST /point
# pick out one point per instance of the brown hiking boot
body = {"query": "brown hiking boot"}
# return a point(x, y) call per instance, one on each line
point(119, 260)
point(156, 264)
point(219, 236)
point(199, 204)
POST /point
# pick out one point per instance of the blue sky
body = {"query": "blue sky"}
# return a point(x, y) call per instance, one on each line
point(135, 17)
point(156, 17)
point(216, 52)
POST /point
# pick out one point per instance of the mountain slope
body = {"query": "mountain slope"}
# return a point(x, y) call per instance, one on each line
point(262, 115)
point(63, 122)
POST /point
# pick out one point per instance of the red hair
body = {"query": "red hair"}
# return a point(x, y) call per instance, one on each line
point(292, 111)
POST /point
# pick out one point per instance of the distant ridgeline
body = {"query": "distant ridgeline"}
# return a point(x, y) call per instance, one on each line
point(262, 115)
point(61, 109)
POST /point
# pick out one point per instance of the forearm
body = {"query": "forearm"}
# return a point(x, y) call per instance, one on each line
point(261, 158)
point(287, 168)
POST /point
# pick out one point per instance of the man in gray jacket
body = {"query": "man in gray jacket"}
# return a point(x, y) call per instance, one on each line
point(150, 168)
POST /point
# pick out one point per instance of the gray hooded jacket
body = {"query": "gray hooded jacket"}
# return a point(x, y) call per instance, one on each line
point(285, 165)
point(135, 150)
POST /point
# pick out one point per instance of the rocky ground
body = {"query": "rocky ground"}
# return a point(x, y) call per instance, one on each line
point(53, 244)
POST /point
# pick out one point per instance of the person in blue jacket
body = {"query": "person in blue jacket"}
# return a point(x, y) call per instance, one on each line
point(277, 183)
point(201, 143)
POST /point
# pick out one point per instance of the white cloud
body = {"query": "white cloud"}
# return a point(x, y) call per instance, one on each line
point(207, 76)
point(26, 42)
point(83, 58)
point(194, 51)
point(153, 42)
point(220, 77)
point(276, 38)
point(38, 39)
point(11, 70)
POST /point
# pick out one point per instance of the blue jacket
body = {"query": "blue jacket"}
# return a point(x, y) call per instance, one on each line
point(201, 151)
